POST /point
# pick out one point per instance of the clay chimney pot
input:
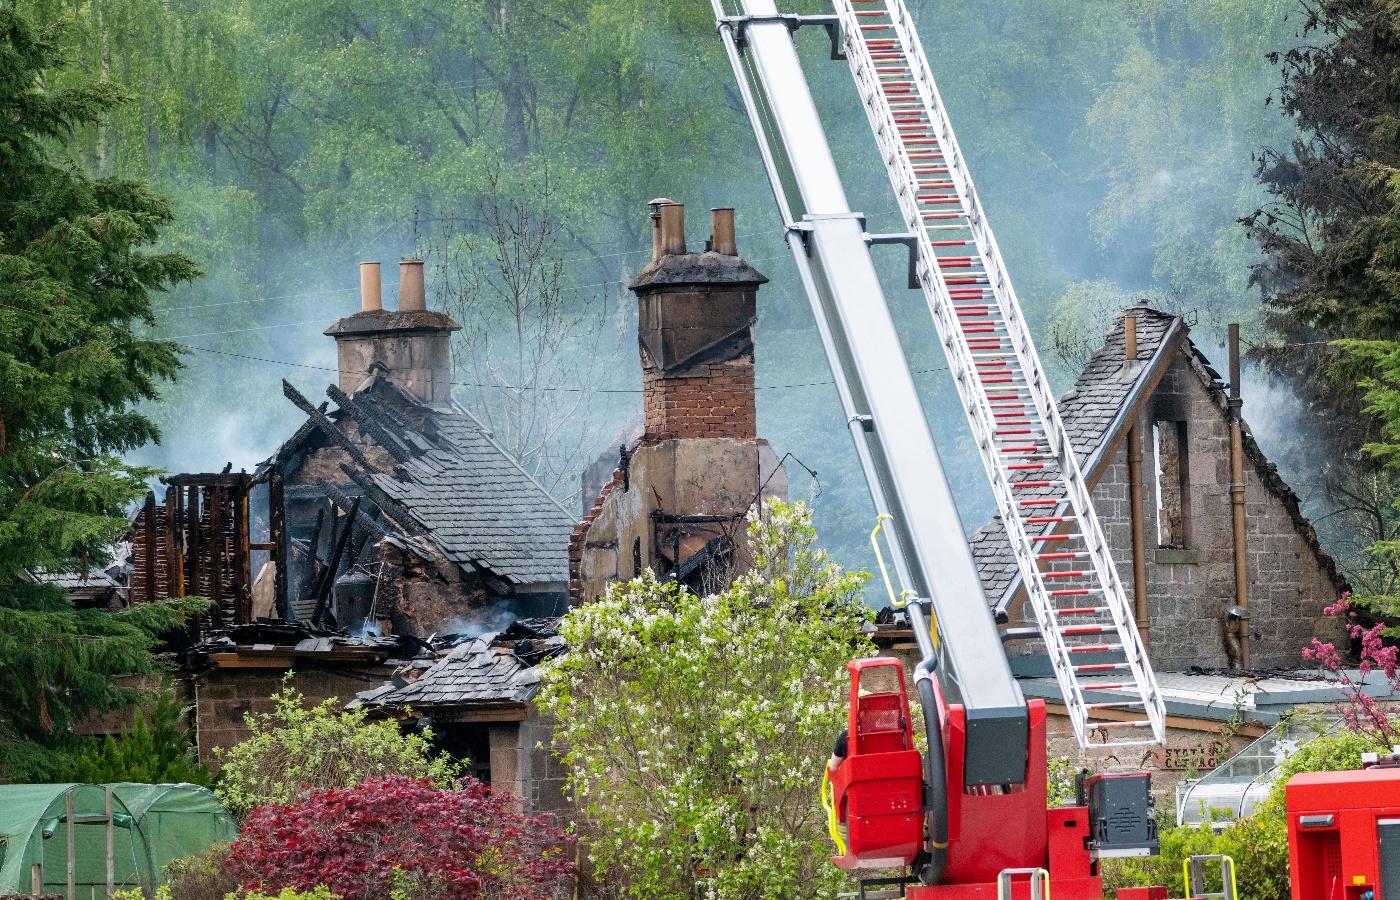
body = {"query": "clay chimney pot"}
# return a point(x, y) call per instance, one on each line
point(412, 297)
point(370, 299)
point(673, 229)
point(722, 231)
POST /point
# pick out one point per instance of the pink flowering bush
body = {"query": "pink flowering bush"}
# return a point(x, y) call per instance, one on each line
point(1361, 712)
point(397, 838)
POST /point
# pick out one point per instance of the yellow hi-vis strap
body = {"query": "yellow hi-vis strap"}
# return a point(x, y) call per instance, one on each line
point(833, 825)
point(896, 601)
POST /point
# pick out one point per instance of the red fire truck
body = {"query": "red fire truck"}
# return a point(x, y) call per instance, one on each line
point(1344, 832)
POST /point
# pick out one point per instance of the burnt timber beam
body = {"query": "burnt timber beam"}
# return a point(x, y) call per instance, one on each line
point(369, 420)
point(327, 426)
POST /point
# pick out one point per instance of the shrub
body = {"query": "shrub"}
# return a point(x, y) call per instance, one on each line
point(697, 728)
point(201, 876)
point(292, 749)
point(398, 838)
point(158, 750)
point(1258, 844)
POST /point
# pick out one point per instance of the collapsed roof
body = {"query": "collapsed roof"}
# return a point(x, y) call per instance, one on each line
point(439, 479)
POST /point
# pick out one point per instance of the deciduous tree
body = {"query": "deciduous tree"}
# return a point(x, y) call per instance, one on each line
point(696, 728)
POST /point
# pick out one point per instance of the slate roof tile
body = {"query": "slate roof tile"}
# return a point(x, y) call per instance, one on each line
point(476, 503)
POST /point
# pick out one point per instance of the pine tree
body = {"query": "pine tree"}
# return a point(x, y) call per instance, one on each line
point(1331, 238)
point(76, 274)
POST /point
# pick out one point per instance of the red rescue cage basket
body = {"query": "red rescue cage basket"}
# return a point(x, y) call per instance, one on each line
point(877, 791)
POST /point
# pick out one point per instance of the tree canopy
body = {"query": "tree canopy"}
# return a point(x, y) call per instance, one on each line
point(696, 729)
point(77, 271)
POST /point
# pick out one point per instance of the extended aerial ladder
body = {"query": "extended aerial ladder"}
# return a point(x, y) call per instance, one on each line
point(994, 739)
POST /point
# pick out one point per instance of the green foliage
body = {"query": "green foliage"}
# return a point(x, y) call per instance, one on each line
point(294, 748)
point(696, 729)
point(1258, 844)
point(320, 892)
point(157, 751)
point(166, 892)
point(1060, 772)
point(77, 274)
point(199, 877)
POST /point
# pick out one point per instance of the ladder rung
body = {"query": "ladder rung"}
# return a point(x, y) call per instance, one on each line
point(1072, 573)
point(1099, 667)
point(1113, 704)
point(1081, 610)
point(1105, 726)
point(1074, 592)
point(1078, 630)
point(1055, 537)
point(1096, 648)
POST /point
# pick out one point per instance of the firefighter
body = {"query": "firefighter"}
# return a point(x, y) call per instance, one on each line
point(839, 752)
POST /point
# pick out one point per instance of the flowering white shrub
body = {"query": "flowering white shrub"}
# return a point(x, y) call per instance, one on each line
point(696, 728)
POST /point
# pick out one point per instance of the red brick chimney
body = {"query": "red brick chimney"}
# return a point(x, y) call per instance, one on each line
point(696, 313)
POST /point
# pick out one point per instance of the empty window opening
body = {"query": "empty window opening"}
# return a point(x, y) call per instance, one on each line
point(1173, 485)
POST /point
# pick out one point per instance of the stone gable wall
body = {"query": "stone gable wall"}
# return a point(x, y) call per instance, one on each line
point(1189, 590)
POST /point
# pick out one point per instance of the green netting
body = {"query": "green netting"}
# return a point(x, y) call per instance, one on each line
point(29, 812)
point(152, 825)
point(177, 819)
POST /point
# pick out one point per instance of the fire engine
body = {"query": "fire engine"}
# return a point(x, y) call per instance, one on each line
point(968, 817)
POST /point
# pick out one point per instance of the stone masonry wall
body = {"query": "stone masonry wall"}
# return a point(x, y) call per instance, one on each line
point(223, 696)
point(717, 405)
point(1188, 590)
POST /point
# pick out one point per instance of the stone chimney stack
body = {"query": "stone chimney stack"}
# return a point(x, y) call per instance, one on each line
point(684, 479)
point(409, 346)
point(696, 313)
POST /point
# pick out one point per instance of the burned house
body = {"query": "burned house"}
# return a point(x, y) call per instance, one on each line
point(392, 516)
point(403, 514)
point(476, 698)
point(1151, 424)
point(679, 491)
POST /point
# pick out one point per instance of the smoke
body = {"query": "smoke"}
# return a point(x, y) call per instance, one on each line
point(496, 617)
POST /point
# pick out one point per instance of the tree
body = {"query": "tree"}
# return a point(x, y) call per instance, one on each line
point(695, 728)
point(76, 279)
point(530, 355)
point(157, 750)
point(293, 749)
point(396, 838)
point(1331, 233)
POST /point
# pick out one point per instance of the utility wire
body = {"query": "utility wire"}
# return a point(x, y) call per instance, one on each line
point(507, 387)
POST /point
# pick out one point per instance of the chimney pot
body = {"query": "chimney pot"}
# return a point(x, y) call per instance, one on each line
point(1130, 338)
point(722, 231)
point(672, 229)
point(412, 297)
point(656, 225)
point(370, 299)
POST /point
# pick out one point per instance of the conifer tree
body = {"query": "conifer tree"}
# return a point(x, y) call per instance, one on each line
point(77, 270)
point(1331, 237)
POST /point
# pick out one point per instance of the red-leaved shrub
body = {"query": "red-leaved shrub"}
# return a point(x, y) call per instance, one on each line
point(397, 833)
